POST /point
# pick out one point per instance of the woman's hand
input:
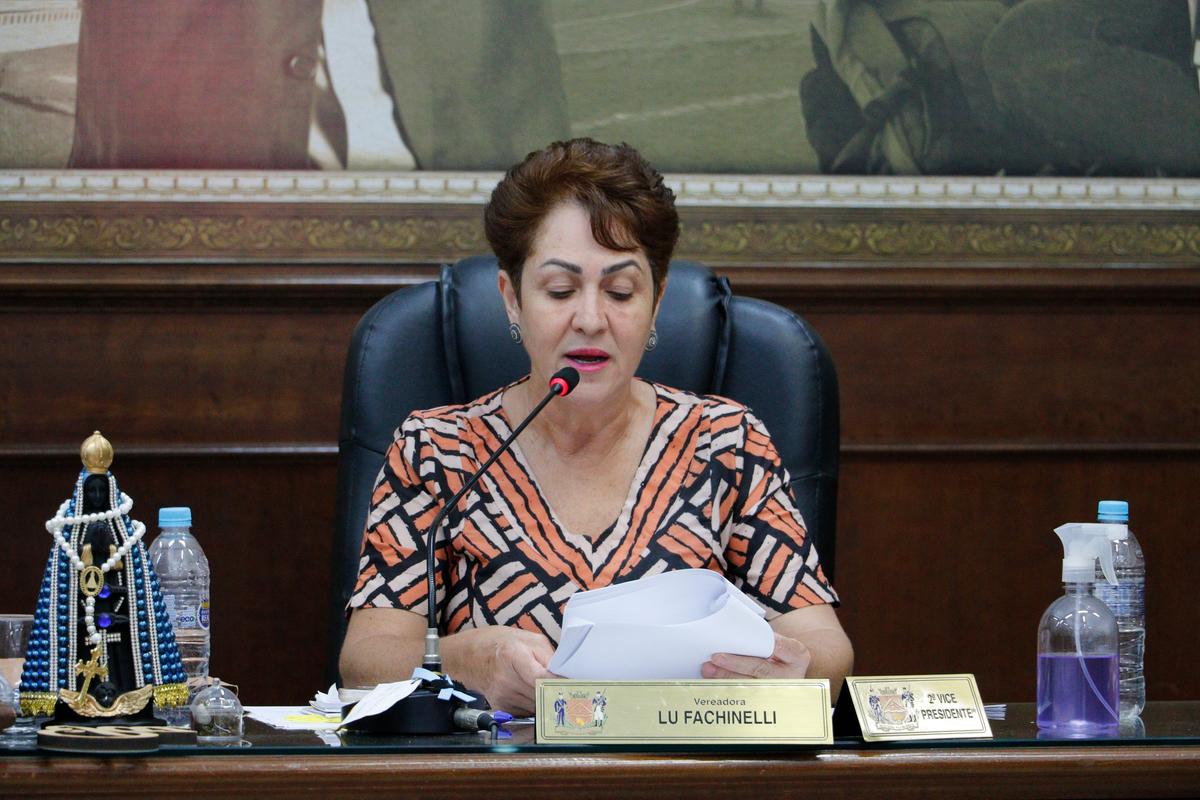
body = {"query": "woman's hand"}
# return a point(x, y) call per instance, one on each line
point(790, 659)
point(809, 642)
point(507, 662)
point(384, 644)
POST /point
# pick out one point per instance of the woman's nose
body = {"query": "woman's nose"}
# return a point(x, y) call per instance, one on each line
point(589, 313)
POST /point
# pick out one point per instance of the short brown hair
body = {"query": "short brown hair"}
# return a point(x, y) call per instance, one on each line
point(629, 204)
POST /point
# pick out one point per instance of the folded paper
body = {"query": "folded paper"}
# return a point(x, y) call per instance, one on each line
point(328, 703)
point(380, 699)
point(661, 627)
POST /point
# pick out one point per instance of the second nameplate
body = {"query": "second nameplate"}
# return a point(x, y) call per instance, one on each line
point(884, 708)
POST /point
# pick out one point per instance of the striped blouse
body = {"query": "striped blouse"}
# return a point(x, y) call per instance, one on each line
point(710, 492)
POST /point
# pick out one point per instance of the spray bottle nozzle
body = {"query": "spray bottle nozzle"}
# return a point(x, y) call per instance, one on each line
point(1083, 543)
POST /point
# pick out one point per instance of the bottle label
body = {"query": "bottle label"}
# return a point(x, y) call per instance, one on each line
point(184, 618)
point(1123, 600)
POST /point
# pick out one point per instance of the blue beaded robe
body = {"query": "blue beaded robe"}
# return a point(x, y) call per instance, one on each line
point(53, 648)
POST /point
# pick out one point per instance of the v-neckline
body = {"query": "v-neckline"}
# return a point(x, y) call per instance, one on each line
point(588, 546)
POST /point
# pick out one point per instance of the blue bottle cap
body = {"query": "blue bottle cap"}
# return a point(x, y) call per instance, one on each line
point(1113, 511)
point(175, 517)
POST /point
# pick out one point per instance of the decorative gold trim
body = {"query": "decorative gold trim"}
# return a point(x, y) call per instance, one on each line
point(170, 695)
point(246, 235)
point(1153, 240)
point(167, 695)
point(86, 706)
point(428, 233)
point(38, 704)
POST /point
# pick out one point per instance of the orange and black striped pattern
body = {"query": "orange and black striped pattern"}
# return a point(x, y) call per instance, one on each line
point(710, 492)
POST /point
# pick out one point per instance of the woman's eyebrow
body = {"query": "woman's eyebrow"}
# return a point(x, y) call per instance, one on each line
point(611, 268)
point(558, 262)
point(578, 270)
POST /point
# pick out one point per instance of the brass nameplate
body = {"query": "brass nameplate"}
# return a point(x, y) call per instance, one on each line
point(684, 712)
point(899, 707)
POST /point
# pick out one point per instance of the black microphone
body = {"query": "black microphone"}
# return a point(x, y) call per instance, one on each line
point(561, 384)
point(479, 719)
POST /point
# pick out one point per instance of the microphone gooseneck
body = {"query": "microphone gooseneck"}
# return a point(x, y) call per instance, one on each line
point(561, 384)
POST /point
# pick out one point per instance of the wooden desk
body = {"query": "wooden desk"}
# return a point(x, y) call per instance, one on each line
point(1151, 772)
point(1166, 765)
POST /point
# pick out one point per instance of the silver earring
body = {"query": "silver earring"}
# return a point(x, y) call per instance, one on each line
point(514, 332)
point(652, 340)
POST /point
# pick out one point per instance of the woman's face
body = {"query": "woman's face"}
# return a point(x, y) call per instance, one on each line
point(582, 305)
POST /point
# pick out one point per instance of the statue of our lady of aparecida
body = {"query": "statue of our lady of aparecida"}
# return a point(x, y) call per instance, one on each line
point(102, 648)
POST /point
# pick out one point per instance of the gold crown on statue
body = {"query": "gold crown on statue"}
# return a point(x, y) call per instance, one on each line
point(96, 453)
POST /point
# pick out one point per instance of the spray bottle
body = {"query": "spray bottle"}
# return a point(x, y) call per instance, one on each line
point(1077, 678)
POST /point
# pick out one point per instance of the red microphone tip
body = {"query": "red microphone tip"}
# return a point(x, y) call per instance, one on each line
point(563, 381)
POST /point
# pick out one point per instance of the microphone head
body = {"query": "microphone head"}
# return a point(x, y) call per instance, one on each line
point(563, 381)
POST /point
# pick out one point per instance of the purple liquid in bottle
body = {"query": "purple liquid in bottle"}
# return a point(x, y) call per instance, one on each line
point(1068, 704)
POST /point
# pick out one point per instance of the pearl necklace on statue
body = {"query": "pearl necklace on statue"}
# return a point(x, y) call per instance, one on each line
point(91, 578)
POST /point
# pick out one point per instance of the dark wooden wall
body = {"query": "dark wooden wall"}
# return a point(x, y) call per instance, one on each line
point(999, 374)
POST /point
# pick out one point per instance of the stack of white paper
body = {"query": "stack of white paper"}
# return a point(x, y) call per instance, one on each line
point(658, 628)
point(328, 703)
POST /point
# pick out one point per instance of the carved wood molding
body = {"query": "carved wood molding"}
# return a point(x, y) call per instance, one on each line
point(407, 233)
point(981, 238)
point(247, 233)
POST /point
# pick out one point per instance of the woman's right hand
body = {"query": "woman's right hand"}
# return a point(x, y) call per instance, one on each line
point(505, 662)
point(384, 644)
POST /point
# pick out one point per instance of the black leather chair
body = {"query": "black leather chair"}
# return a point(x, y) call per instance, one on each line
point(446, 341)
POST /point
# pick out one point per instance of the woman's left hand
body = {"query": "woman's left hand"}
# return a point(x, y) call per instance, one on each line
point(789, 660)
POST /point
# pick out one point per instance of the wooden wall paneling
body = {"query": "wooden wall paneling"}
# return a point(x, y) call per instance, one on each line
point(969, 431)
point(947, 561)
point(1066, 375)
point(186, 377)
point(1000, 372)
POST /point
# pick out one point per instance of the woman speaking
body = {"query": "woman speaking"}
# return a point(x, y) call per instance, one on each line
point(621, 479)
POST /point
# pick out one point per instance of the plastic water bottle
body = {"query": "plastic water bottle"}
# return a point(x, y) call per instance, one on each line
point(183, 575)
point(9, 696)
point(1127, 601)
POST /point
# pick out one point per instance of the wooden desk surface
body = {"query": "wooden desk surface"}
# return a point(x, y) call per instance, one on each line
point(1165, 763)
point(1102, 772)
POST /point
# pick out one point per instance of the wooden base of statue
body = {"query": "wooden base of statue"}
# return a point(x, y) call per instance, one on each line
point(111, 738)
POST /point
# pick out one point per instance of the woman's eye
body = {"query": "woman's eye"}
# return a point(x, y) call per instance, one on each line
point(619, 296)
point(559, 294)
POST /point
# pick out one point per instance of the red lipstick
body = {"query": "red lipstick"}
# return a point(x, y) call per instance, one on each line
point(588, 359)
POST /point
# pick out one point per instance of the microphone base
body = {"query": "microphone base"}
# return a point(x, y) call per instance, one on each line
point(419, 714)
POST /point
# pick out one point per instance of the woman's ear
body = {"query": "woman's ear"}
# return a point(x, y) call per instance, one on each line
point(508, 292)
point(658, 300)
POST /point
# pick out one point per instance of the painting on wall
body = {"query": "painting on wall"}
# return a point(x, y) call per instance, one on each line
point(745, 87)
